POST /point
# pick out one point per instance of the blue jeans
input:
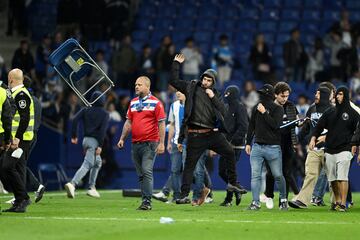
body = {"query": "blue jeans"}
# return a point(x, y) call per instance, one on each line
point(177, 164)
point(272, 155)
point(143, 156)
point(321, 184)
point(199, 175)
point(91, 162)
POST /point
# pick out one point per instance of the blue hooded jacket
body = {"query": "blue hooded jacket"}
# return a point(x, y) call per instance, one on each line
point(95, 120)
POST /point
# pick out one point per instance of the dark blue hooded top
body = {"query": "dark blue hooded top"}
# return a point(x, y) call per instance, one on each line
point(95, 119)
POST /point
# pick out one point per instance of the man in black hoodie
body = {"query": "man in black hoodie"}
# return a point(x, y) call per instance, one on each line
point(315, 157)
point(95, 121)
point(203, 109)
point(264, 125)
point(341, 123)
point(237, 122)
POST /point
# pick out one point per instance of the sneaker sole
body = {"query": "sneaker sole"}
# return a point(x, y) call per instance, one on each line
point(40, 196)
point(69, 195)
point(160, 199)
point(235, 189)
point(92, 195)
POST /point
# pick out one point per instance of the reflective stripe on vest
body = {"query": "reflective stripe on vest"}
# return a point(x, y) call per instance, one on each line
point(29, 133)
point(3, 97)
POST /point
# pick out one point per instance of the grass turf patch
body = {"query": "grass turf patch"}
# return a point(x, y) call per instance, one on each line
point(114, 217)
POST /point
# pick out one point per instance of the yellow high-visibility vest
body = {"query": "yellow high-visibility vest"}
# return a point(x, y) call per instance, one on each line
point(29, 133)
point(3, 97)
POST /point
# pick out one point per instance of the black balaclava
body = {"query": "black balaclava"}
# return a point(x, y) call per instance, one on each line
point(346, 101)
point(232, 94)
point(324, 102)
point(266, 94)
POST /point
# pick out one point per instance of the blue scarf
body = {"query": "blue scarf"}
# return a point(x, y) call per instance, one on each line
point(140, 106)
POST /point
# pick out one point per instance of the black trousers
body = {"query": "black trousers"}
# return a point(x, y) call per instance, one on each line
point(288, 157)
point(196, 145)
point(222, 165)
point(13, 171)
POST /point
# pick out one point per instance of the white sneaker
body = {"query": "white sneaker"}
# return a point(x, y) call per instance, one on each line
point(93, 193)
point(209, 200)
point(11, 201)
point(70, 190)
point(263, 198)
point(269, 203)
point(160, 196)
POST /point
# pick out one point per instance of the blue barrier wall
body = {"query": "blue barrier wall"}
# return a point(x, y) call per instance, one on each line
point(51, 148)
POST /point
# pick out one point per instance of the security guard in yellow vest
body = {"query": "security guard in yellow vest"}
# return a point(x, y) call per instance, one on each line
point(14, 164)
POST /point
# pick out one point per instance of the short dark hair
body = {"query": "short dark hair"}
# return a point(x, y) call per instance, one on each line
point(281, 87)
point(189, 39)
point(294, 30)
point(328, 85)
point(223, 37)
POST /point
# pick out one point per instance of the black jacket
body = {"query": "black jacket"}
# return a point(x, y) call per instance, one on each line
point(236, 118)
point(314, 113)
point(189, 89)
point(341, 122)
point(265, 127)
point(288, 135)
point(95, 120)
point(7, 114)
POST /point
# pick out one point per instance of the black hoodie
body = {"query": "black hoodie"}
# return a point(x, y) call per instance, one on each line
point(95, 120)
point(236, 118)
point(265, 126)
point(315, 111)
point(340, 122)
point(200, 110)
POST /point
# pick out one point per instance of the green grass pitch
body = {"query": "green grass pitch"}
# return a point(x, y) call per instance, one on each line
point(114, 217)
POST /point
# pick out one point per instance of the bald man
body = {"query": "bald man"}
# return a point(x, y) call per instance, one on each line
point(13, 167)
point(146, 121)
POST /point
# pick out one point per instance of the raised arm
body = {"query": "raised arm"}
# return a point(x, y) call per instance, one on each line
point(175, 80)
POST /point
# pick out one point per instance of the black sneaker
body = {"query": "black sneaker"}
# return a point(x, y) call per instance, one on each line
point(334, 206)
point(225, 203)
point(19, 207)
point(39, 193)
point(254, 207)
point(145, 205)
point(236, 188)
point(184, 200)
point(284, 206)
point(319, 202)
point(237, 198)
point(341, 208)
point(297, 204)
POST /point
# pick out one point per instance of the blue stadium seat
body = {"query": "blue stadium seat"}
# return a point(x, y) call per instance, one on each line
point(243, 37)
point(164, 24)
point(140, 35)
point(225, 25)
point(293, 3)
point(312, 4)
point(137, 45)
point(333, 5)
point(251, 13)
point(157, 35)
point(308, 39)
point(287, 26)
point(269, 38)
point(209, 11)
point(179, 37)
point(143, 23)
point(231, 13)
point(272, 14)
point(277, 51)
point(282, 38)
point(205, 24)
point(289, 14)
point(355, 16)
point(352, 4)
point(331, 15)
point(272, 4)
point(168, 11)
point(311, 15)
point(247, 25)
point(267, 26)
point(148, 11)
point(202, 36)
point(184, 24)
point(190, 11)
point(309, 28)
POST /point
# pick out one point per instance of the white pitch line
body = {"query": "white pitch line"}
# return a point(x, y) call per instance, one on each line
point(115, 219)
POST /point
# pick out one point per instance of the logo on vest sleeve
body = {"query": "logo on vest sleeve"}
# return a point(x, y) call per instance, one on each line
point(22, 104)
point(345, 116)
